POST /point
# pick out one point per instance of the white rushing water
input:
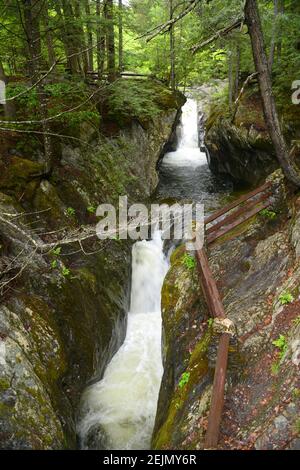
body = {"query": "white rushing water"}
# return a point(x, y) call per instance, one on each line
point(124, 402)
point(118, 412)
point(188, 153)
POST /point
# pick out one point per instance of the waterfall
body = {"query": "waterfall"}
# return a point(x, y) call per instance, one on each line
point(122, 406)
point(118, 412)
point(188, 153)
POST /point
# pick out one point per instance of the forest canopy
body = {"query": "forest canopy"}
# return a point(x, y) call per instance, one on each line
point(82, 36)
point(57, 56)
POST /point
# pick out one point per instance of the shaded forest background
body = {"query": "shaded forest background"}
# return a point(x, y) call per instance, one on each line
point(57, 57)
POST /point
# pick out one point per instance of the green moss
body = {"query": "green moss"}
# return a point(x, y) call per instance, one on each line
point(48, 201)
point(17, 173)
point(4, 384)
point(196, 369)
point(142, 100)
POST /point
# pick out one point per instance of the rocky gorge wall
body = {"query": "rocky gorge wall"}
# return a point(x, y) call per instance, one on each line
point(240, 149)
point(63, 312)
point(260, 292)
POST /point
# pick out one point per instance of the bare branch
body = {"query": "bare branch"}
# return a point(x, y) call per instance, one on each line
point(245, 84)
point(163, 27)
point(221, 33)
point(52, 134)
point(34, 85)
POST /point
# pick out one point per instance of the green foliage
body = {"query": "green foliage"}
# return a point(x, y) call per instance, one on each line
point(210, 322)
point(281, 344)
point(286, 298)
point(184, 379)
point(91, 209)
point(29, 100)
point(189, 261)
point(54, 264)
point(296, 321)
point(71, 211)
point(275, 367)
point(132, 99)
point(296, 393)
point(269, 214)
point(66, 272)
point(56, 251)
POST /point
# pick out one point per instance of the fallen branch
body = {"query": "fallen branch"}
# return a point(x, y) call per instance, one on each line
point(163, 27)
point(245, 84)
point(221, 33)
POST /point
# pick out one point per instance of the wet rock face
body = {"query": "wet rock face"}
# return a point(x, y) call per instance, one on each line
point(262, 393)
point(241, 150)
point(64, 315)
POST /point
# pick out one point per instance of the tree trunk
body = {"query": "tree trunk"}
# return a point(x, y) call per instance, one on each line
point(89, 35)
point(67, 36)
point(121, 64)
point(31, 21)
point(48, 36)
point(230, 79)
point(270, 112)
point(78, 34)
point(100, 41)
point(110, 39)
point(172, 48)
point(274, 35)
point(279, 43)
point(237, 72)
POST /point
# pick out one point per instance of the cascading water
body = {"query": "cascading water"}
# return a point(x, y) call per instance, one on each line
point(118, 412)
point(184, 174)
point(122, 406)
point(188, 153)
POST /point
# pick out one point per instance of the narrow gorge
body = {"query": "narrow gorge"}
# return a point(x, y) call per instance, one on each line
point(149, 229)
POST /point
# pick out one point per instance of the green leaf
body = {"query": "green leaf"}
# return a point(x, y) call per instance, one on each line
point(286, 298)
point(71, 211)
point(189, 261)
point(65, 272)
point(91, 209)
point(184, 379)
point(56, 251)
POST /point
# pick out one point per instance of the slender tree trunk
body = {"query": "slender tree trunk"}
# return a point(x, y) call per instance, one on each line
point(237, 72)
point(172, 48)
point(279, 43)
point(270, 112)
point(89, 36)
point(274, 35)
point(31, 21)
point(48, 36)
point(78, 34)
point(65, 15)
point(121, 61)
point(110, 39)
point(230, 79)
point(100, 40)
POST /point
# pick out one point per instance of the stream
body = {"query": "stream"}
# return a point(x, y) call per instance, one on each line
point(120, 409)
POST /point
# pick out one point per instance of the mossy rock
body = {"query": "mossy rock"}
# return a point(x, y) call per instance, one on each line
point(16, 173)
point(48, 202)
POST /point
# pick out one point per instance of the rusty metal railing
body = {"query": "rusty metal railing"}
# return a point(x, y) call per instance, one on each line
point(245, 207)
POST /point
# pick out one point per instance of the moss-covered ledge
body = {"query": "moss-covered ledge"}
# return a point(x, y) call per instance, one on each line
point(63, 316)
